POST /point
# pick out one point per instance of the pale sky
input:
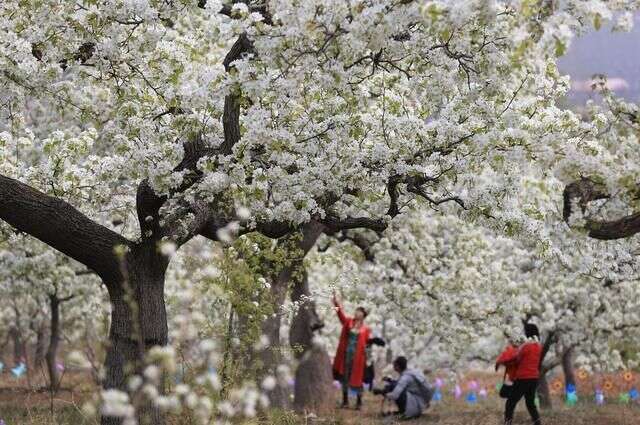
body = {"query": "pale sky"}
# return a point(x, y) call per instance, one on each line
point(615, 54)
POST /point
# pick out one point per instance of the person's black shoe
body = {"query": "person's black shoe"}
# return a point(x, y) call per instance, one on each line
point(345, 401)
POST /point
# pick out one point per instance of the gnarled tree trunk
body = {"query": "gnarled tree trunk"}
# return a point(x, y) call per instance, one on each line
point(138, 322)
point(292, 274)
point(271, 356)
point(567, 368)
point(134, 280)
point(313, 376)
point(544, 395)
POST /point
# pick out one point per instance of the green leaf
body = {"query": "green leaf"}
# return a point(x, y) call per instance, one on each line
point(561, 48)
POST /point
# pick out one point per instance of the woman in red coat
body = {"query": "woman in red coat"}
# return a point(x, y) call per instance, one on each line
point(527, 372)
point(351, 358)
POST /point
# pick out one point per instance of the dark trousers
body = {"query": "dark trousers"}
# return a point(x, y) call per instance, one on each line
point(523, 388)
point(401, 402)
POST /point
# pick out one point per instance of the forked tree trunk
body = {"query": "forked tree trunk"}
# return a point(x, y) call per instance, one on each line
point(313, 378)
point(136, 281)
point(138, 322)
point(272, 357)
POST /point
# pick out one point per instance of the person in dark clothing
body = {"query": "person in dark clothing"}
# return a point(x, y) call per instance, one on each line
point(411, 392)
point(527, 361)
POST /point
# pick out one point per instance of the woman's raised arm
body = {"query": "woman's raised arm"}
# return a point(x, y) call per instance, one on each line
point(343, 318)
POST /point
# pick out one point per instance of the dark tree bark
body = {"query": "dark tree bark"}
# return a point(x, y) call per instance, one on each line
point(138, 322)
point(19, 349)
point(567, 368)
point(134, 278)
point(313, 378)
point(388, 352)
point(545, 367)
point(41, 346)
point(61, 226)
point(271, 356)
point(585, 191)
point(54, 342)
point(289, 275)
point(544, 395)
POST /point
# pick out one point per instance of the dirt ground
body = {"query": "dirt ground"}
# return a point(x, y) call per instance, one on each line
point(21, 405)
point(489, 412)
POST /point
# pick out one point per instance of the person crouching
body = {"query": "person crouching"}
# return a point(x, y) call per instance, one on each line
point(411, 392)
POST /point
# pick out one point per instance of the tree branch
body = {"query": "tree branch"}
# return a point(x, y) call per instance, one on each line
point(335, 224)
point(583, 192)
point(359, 240)
point(61, 226)
point(548, 342)
point(231, 114)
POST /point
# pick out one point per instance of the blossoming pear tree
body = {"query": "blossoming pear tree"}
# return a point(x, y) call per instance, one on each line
point(432, 283)
point(446, 293)
point(602, 198)
point(42, 285)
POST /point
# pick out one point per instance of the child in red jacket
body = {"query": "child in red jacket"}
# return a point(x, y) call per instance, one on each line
point(507, 359)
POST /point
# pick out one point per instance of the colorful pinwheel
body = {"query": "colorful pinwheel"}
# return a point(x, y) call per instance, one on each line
point(457, 392)
point(582, 374)
point(471, 398)
point(19, 370)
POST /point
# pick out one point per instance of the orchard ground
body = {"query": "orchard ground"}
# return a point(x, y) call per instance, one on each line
point(20, 405)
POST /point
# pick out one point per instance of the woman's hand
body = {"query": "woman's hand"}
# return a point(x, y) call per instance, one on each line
point(335, 299)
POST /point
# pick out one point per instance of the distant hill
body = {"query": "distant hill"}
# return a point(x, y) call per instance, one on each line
point(615, 54)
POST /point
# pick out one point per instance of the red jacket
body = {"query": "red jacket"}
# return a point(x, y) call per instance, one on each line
point(527, 360)
point(511, 366)
point(359, 358)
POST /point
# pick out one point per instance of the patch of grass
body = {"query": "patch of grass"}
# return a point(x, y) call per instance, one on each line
point(490, 412)
point(27, 409)
point(276, 417)
point(16, 415)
